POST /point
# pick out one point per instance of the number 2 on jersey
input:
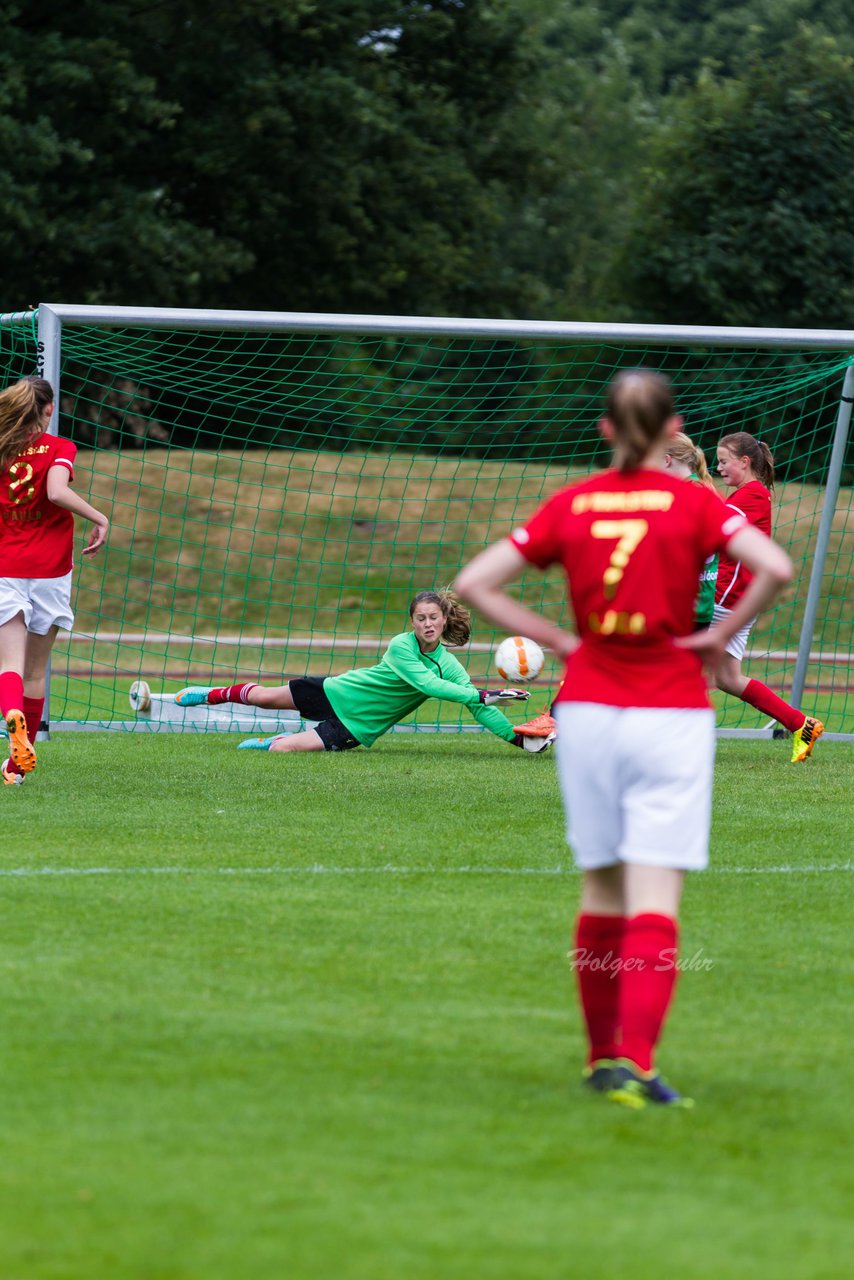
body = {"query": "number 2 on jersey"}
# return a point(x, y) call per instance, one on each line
point(628, 534)
point(23, 473)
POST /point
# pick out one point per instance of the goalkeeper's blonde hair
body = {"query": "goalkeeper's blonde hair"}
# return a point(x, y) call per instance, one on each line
point(683, 449)
point(457, 630)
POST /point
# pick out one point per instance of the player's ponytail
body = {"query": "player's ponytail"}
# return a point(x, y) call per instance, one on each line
point(21, 408)
point(743, 445)
point(457, 617)
point(639, 405)
point(683, 449)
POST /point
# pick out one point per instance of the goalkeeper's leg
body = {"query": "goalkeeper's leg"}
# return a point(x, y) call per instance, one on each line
point(249, 694)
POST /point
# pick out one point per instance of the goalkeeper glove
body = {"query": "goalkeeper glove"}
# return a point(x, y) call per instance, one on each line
point(489, 697)
point(533, 744)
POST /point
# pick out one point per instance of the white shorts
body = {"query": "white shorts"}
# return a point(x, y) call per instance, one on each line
point(636, 784)
point(44, 602)
point(737, 645)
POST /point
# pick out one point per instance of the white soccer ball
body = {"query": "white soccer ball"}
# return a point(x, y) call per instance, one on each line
point(518, 659)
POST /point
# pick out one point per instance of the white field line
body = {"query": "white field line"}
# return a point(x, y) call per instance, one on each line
point(361, 642)
point(319, 869)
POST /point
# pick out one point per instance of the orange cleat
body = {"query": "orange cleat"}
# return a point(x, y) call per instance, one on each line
point(21, 750)
point(804, 739)
point(542, 726)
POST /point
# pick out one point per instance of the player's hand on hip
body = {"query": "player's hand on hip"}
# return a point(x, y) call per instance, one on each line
point(710, 645)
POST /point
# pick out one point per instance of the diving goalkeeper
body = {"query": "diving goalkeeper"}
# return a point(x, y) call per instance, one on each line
point(358, 707)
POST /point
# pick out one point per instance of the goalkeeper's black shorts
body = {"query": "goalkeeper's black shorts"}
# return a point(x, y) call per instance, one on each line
point(312, 704)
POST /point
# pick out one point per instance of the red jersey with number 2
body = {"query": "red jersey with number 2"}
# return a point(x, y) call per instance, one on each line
point(36, 536)
point(633, 546)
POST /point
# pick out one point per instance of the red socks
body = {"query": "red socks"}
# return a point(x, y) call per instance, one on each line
point(33, 710)
point(626, 973)
point(647, 980)
point(11, 692)
point(231, 693)
point(598, 942)
point(758, 695)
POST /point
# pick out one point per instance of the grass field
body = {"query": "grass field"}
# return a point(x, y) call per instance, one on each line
point(311, 1017)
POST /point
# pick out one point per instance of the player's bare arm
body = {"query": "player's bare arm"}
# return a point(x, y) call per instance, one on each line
point(480, 583)
point(61, 494)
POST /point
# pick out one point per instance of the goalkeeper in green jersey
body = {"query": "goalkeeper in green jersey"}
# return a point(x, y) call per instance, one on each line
point(355, 709)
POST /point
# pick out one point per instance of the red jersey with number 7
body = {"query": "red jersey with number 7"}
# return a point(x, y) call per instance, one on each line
point(633, 545)
point(36, 536)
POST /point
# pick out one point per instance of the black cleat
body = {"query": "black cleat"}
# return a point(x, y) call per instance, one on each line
point(599, 1076)
point(633, 1088)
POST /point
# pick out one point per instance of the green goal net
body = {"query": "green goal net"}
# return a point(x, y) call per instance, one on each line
point(280, 488)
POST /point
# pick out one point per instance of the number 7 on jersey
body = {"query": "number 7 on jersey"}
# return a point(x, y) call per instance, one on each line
point(629, 534)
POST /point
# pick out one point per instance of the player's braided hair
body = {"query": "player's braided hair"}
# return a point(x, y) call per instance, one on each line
point(21, 408)
point(639, 404)
point(457, 617)
point(683, 449)
point(741, 444)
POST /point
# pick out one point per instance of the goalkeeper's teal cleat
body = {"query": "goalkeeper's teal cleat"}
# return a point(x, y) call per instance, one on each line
point(193, 696)
point(258, 744)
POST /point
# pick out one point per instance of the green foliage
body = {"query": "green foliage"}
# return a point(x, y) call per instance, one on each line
point(668, 43)
point(82, 129)
point(316, 155)
point(489, 157)
point(759, 233)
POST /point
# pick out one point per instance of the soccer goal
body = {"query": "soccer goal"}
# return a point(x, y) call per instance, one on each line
point(281, 484)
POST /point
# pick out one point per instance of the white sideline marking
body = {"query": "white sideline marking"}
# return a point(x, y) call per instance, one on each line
point(318, 869)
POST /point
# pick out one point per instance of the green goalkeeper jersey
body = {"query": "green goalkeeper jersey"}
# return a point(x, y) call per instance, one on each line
point(704, 606)
point(372, 699)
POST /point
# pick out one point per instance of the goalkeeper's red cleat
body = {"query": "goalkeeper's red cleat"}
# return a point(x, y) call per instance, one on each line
point(21, 750)
point(541, 726)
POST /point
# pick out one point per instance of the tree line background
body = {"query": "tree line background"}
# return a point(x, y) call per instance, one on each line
point(686, 161)
point(673, 160)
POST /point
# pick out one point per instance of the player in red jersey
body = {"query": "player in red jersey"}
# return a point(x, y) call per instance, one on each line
point(747, 467)
point(685, 460)
point(636, 728)
point(37, 509)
